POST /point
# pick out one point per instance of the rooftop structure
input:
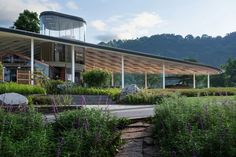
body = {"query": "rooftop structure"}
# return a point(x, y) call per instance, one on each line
point(62, 25)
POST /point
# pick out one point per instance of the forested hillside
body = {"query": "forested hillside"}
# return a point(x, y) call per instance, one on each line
point(205, 49)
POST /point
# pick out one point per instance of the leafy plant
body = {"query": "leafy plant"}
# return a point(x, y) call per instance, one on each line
point(96, 78)
point(77, 90)
point(191, 128)
point(51, 86)
point(152, 96)
point(87, 132)
point(63, 100)
point(20, 88)
point(24, 134)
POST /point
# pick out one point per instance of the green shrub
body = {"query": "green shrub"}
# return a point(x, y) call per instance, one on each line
point(20, 88)
point(77, 90)
point(87, 132)
point(24, 134)
point(152, 96)
point(96, 78)
point(51, 86)
point(40, 99)
point(186, 128)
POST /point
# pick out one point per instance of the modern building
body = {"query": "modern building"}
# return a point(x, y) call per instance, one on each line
point(61, 52)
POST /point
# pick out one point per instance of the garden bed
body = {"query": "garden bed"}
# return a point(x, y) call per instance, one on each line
point(85, 132)
point(185, 127)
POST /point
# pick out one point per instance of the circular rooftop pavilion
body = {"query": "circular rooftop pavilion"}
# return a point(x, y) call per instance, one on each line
point(62, 25)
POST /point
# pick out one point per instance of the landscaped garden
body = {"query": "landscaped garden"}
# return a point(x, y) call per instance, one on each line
point(194, 127)
point(85, 132)
point(188, 122)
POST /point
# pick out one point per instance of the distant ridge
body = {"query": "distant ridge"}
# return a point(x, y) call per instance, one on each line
point(214, 51)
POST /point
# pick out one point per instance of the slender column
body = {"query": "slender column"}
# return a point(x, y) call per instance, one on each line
point(122, 72)
point(163, 76)
point(194, 80)
point(3, 74)
point(208, 80)
point(145, 80)
point(112, 79)
point(32, 61)
point(73, 63)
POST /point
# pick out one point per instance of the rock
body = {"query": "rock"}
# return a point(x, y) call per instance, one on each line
point(131, 89)
point(13, 99)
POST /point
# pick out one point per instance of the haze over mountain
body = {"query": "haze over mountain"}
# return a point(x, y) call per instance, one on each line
point(205, 49)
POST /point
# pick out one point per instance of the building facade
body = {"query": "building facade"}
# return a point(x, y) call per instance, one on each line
point(61, 52)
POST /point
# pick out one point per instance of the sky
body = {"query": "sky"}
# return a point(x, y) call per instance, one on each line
point(131, 19)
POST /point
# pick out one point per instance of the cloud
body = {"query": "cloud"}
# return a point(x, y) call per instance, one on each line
point(72, 5)
point(129, 26)
point(99, 25)
point(10, 9)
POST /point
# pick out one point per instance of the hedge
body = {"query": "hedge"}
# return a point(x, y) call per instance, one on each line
point(20, 88)
point(77, 90)
point(152, 96)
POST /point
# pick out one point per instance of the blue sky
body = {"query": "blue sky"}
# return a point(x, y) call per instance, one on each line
point(130, 19)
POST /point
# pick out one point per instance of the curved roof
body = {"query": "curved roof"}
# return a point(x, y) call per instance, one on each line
point(62, 15)
point(109, 51)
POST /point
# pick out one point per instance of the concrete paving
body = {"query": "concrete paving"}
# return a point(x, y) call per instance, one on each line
point(121, 111)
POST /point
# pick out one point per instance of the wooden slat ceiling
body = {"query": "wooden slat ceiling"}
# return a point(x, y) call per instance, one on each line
point(110, 60)
point(137, 64)
point(16, 44)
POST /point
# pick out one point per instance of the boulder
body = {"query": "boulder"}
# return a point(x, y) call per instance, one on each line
point(13, 99)
point(131, 89)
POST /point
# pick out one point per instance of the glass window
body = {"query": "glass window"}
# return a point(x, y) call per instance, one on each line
point(79, 55)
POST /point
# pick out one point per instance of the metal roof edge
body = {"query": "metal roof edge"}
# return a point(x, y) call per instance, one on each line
point(62, 15)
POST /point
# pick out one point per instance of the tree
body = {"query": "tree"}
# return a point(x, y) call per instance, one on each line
point(28, 21)
point(230, 72)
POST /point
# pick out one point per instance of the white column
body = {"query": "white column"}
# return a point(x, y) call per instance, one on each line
point(208, 80)
point(32, 62)
point(112, 79)
point(73, 63)
point(145, 80)
point(194, 80)
point(122, 72)
point(163, 76)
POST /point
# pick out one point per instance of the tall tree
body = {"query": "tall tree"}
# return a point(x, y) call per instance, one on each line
point(230, 72)
point(28, 21)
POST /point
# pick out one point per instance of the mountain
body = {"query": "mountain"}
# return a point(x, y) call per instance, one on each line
point(206, 49)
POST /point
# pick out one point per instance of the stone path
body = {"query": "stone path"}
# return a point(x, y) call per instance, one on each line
point(138, 141)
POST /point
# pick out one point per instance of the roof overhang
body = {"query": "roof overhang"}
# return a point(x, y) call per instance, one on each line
point(110, 58)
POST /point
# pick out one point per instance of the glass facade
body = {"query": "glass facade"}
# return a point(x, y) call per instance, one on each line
point(62, 26)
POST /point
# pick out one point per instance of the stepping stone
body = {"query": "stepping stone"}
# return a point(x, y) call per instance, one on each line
point(135, 135)
point(139, 124)
point(135, 129)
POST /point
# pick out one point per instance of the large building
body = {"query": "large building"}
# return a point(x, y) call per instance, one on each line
point(61, 52)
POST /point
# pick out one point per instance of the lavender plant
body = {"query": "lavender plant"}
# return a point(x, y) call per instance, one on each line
point(185, 128)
